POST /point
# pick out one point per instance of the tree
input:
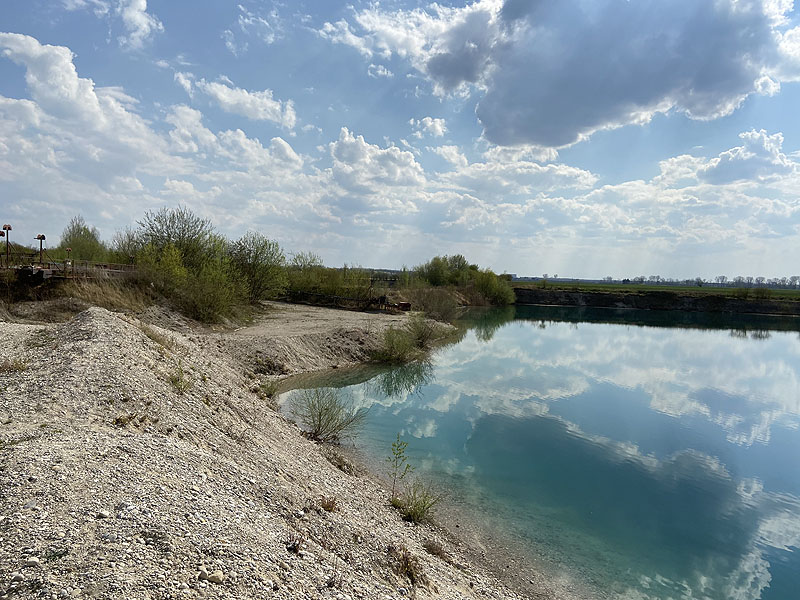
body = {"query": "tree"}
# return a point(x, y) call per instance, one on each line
point(262, 264)
point(179, 227)
point(83, 240)
point(721, 279)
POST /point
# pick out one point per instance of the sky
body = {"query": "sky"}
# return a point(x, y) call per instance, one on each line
point(584, 138)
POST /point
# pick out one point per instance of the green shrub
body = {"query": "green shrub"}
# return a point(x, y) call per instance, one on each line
point(495, 289)
point(326, 415)
point(397, 347)
point(418, 502)
point(262, 265)
point(436, 303)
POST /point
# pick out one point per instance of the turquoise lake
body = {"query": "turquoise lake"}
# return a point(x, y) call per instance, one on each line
point(647, 455)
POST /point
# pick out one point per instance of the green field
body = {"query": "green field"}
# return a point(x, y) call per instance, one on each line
point(682, 290)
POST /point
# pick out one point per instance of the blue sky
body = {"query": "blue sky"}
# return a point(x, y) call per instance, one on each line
point(583, 138)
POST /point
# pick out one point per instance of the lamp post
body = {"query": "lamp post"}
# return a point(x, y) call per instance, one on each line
point(41, 239)
point(6, 230)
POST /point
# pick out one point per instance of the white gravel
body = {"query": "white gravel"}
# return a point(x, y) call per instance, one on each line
point(133, 467)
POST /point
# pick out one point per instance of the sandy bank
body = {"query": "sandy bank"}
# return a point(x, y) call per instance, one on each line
point(140, 462)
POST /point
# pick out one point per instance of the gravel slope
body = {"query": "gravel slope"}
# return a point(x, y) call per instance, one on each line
point(139, 462)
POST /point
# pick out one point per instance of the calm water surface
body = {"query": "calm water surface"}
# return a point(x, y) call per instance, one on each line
point(647, 460)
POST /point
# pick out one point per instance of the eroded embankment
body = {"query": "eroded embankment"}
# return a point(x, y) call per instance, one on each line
point(656, 300)
point(141, 462)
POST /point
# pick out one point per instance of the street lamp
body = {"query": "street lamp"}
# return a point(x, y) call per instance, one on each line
point(41, 239)
point(6, 229)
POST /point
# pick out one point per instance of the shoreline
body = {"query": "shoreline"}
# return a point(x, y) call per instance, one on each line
point(486, 544)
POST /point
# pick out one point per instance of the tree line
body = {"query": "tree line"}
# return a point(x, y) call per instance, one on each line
point(182, 257)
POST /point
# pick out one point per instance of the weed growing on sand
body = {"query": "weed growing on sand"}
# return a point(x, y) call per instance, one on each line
point(112, 294)
point(399, 466)
point(328, 503)
point(418, 502)
point(179, 380)
point(397, 347)
point(407, 565)
point(124, 419)
point(267, 390)
point(326, 415)
point(13, 365)
point(296, 542)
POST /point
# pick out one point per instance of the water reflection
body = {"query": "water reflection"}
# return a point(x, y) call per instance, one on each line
point(403, 380)
point(656, 462)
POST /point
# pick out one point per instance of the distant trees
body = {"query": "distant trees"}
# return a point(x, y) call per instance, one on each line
point(84, 241)
point(483, 285)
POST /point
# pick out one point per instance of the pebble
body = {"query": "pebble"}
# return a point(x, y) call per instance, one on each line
point(32, 562)
point(103, 514)
point(17, 577)
point(216, 577)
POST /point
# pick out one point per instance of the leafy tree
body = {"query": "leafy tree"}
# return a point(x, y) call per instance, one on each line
point(179, 227)
point(84, 241)
point(262, 264)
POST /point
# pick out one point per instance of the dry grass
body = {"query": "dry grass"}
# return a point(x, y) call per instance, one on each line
point(407, 565)
point(112, 294)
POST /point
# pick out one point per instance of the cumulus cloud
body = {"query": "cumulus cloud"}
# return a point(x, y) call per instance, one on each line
point(359, 166)
point(758, 159)
point(553, 74)
point(451, 154)
point(428, 125)
point(258, 106)
point(139, 24)
point(72, 143)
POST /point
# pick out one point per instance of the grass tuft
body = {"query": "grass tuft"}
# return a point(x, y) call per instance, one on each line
point(418, 502)
point(179, 380)
point(326, 415)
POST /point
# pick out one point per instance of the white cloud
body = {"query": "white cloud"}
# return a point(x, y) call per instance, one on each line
point(265, 28)
point(552, 74)
point(368, 169)
point(234, 46)
point(99, 7)
point(429, 125)
point(258, 106)
point(451, 154)
point(759, 159)
point(74, 144)
point(377, 71)
point(185, 80)
point(141, 25)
